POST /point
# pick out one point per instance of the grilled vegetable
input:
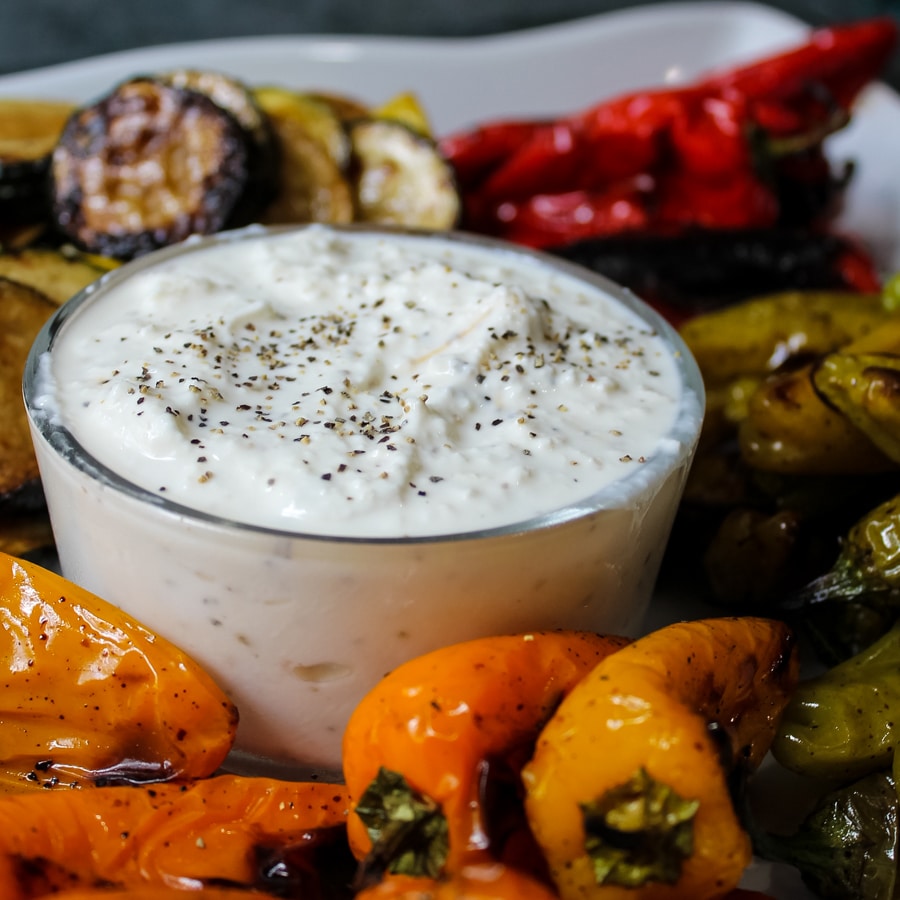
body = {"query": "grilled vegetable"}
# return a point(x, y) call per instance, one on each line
point(869, 560)
point(701, 270)
point(841, 724)
point(226, 830)
point(25, 533)
point(716, 153)
point(233, 96)
point(425, 739)
point(162, 893)
point(485, 881)
point(29, 130)
point(315, 116)
point(400, 178)
point(58, 273)
point(91, 696)
point(148, 165)
point(761, 334)
point(847, 847)
point(628, 789)
point(789, 428)
point(312, 185)
point(865, 387)
point(23, 311)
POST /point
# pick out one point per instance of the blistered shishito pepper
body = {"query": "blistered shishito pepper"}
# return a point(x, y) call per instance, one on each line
point(846, 848)
point(865, 387)
point(843, 724)
point(791, 428)
point(708, 153)
point(868, 563)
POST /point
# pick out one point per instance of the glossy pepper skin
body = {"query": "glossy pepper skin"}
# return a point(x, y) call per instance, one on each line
point(843, 724)
point(162, 893)
point(479, 881)
point(847, 846)
point(90, 696)
point(660, 725)
point(865, 387)
point(702, 155)
point(442, 719)
point(215, 831)
point(792, 429)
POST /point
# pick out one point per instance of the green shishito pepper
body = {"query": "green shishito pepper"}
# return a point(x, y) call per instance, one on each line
point(858, 599)
point(847, 848)
point(845, 723)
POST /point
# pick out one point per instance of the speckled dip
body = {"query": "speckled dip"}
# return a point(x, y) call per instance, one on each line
point(297, 612)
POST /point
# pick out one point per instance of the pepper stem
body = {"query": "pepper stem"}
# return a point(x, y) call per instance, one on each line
point(638, 832)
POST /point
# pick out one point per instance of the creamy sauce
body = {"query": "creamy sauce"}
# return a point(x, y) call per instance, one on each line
point(344, 384)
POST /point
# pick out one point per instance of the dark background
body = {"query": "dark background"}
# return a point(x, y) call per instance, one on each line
point(36, 33)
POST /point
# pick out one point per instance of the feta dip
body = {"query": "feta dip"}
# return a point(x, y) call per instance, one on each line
point(348, 383)
point(307, 456)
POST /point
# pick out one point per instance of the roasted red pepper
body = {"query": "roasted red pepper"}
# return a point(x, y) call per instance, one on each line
point(723, 152)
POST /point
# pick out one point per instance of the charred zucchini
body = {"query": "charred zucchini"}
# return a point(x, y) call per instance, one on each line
point(148, 165)
point(316, 117)
point(23, 311)
point(240, 102)
point(55, 272)
point(312, 187)
point(314, 150)
point(29, 130)
point(400, 177)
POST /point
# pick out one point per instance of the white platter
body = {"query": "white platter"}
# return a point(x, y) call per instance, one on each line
point(544, 71)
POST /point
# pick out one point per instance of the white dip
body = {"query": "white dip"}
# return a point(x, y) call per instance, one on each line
point(342, 385)
point(322, 383)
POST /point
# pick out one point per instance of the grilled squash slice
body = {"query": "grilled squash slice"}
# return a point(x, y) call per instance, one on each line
point(23, 311)
point(148, 165)
point(312, 186)
point(54, 271)
point(29, 130)
point(400, 177)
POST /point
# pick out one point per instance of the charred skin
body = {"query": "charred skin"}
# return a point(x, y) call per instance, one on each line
point(147, 166)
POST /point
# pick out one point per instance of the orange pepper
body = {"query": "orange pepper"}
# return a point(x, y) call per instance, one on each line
point(483, 881)
point(440, 720)
point(659, 726)
point(171, 835)
point(89, 695)
point(163, 893)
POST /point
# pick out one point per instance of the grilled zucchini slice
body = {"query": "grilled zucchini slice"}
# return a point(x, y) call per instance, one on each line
point(29, 130)
point(23, 311)
point(240, 102)
point(146, 166)
point(312, 186)
point(57, 272)
point(316, 117)
point(400, 178)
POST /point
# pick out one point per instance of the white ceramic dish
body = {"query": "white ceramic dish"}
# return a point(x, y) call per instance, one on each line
point(548, 70)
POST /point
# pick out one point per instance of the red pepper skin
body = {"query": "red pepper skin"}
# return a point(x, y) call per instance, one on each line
point(841, 59)
point(474, 153)
point(696, 149)
point(546, 220)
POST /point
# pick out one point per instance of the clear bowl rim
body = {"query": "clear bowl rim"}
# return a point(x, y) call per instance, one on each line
point(684, 433)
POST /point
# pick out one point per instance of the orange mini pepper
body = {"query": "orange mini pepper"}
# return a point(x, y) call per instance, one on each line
point(91, 696)
point(439, 721)
point(627, 793)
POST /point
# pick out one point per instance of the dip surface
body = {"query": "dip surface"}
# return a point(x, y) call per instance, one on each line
point(349, 384)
